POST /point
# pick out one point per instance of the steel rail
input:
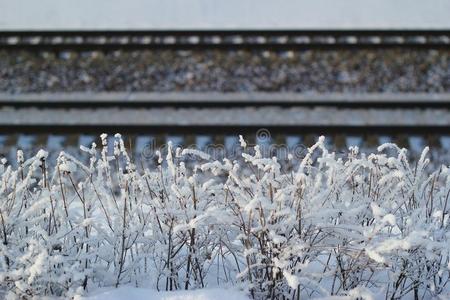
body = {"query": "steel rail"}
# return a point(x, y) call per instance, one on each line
point(224, 112)
point(222, 39)
point(219, 120)
point(217, 99)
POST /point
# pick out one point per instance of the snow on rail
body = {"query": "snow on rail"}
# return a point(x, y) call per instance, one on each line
point(223, 15)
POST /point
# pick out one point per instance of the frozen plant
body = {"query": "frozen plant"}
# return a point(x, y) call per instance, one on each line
point(367, 225)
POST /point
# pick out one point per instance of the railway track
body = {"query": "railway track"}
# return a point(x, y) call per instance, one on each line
point(225, 39)
point(65, 121)
point(218, 99)
point(144, 145)
point(224, 113)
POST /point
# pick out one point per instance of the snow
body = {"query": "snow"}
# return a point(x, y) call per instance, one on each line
point(25, 141)
point(292, 280)
point(416, 143)
point(55, 142)
point(245, 223)
point(67, 166)
point(242, 141)
point(86, 140)
point(231, 14)
point(445, 140)
point(143, 143)
point(202, 141)
point(196, 153)
point(132, 293)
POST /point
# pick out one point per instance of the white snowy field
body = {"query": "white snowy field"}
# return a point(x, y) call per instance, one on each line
point(230, 14)
point(354, 226)
point(133, 293)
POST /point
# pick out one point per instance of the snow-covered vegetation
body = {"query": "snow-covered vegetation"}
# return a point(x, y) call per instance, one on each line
point(370, 226)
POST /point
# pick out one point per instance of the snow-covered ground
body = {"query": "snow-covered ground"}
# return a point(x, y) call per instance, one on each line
point(131, 293)
point(230, 14)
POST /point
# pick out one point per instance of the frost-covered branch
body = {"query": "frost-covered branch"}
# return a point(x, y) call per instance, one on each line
point(369, 224)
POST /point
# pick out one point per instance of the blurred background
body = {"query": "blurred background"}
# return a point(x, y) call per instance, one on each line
point(201, 72)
